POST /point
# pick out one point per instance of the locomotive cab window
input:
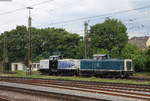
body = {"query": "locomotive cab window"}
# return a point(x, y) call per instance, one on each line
point(101, 56)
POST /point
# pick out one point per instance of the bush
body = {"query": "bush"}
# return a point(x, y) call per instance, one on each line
point(147, 69)
point(137, 55)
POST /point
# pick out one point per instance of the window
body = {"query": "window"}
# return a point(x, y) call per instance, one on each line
point(15, 67)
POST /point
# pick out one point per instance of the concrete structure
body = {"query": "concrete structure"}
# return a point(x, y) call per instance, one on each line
point(62, 91)
point(17, 66)
point(20, 66)
point(35, 66)
point(140, 42)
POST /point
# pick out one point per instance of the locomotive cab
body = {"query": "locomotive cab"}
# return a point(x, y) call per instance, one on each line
point(53, 63)
point(101, 56)
point(55, 57)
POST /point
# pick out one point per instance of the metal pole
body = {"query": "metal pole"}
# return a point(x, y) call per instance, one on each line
point(5, 57)
point(29, 57)
point(85, 39)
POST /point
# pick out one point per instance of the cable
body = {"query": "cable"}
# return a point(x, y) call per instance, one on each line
point(83, 18)
point(42, 3)
point(58, 8)
point(23, 8)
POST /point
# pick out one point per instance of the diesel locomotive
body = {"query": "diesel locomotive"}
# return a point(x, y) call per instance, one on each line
point(100, 66)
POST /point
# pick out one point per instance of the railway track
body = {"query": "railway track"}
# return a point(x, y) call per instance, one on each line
point(3, 99)
point(138, 92)
point(139, 79)
point(20, 94)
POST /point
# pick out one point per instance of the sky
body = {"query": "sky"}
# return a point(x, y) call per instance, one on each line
point(67, 14)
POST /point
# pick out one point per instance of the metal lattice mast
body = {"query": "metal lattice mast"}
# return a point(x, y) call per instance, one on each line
point(85, 39)
point(29, 55)
point(5, 56)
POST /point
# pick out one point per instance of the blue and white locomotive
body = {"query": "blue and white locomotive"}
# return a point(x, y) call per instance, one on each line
point(55, 65)
point(100, 66)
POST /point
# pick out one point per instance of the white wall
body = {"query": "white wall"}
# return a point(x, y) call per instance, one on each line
point(17, 66)
point(21, 66)
point(35, 66)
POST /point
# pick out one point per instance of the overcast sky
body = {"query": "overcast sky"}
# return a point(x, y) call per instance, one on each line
point(47, 13)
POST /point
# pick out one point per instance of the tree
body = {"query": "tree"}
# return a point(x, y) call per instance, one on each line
point(109, 34)
point(147, 67)
point(137, 55)
point(16, 43)
point(51, 40)
point(45, 42)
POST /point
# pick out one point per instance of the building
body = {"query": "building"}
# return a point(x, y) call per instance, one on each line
point(35, 66)
point(140, 42)
point(20, 66)
point(17, 66)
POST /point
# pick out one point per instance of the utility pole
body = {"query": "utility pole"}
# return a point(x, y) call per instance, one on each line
point(29, 54)
point(5, 56)
point(85, 38)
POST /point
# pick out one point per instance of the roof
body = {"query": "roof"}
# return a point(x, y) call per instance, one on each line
point(99, 54)
point(139, 41)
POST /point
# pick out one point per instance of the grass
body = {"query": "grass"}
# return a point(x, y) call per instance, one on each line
point(94, 79)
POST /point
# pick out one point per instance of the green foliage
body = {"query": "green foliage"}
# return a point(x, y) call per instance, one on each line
point(102, 51)
point(115, 53)
point(44, 43)
point(112, 33)
point(78, 78)
point(109, 37)
point(16, 43)
point(148, 60)
point(137, 55)
point(80, 50)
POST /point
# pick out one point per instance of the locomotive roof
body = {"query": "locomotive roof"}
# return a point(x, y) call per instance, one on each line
point(55, 55)
point(100, 54)
point(107, 60)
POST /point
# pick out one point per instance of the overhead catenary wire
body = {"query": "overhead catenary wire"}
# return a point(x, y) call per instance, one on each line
point(102, 16)
point(96, 16)
point(72, 20)
point(23, 8)
point(134, 28)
